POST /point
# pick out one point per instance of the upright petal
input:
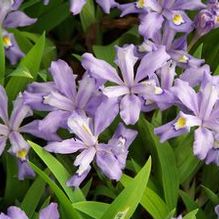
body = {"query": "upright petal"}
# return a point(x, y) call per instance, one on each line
point(64, 78)
point(130, 108)
point(106, 5)
point(209, 96)
point(126, 60)
point(115, 91)
point(20, 111)
point(18, 19)
point(67, 146)
point(188, 5)
point(100, 69)
point(87, 87)
point(105, 114)
point(203, 142)
point(3, 140)
point(150, 24)
point(50, 212)
point(151, 62)
point(81, 126)
point(15, 212)
point(186, 95)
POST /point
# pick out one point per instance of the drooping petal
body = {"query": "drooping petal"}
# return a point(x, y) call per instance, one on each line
point(100, 69)
point(20, 111)
point(151, 62)
point(110, 107)
point(18, 19)
point(76, 6)
point(84, 159)
point(126, 59)
point(130, 108)
point(64, 78)
point(3, 140)
point(203, 142)
point(106, 5)
point(24, 170)
point(3, 105)
point(150, 24)
point(77, 179)
point(3, 216)
point(34, 128)
point(15, 212)
point(80, 125)
point(67, 146)
point(186, 95)
point(109, 165)
point(50, 212)
point(115, 91)
point(19, 146)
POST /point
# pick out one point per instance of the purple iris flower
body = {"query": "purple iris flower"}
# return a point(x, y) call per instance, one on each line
point(11, 130)
point(11, 17)
point(110, 157)
point(76, 6)
point(49, 212)
point(207, 19)
point(132, 90)
point(217, 211)
point(61, 96)
point(197, 110)
point(179, 217)
point(154, 13)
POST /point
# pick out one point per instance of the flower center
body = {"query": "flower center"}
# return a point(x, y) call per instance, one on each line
point(140, 4)
point(178, 19)
point(6, 41)
point(180, 123)
point(183, 59)
point(22, 154)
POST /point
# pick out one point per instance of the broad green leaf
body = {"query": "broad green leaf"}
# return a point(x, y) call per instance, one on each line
point(31, 62)
point(58, 171)
point(165, 155)
point(191, 215)
point(92, 208)
point(63, 200)
point(87, 15)
point(127, 201)
point(2, 58)
point(32, 197)
point(198, 51)
point(211, 195)
point(150, 200)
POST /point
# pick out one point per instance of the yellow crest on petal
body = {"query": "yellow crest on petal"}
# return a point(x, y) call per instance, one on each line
point(180, 123)
point(178, 19)
point(6, 41)
point(22, 154)
point(183, 59)
point(140, 4)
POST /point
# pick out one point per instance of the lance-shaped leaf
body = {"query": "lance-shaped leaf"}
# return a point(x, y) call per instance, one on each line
point(127, 201)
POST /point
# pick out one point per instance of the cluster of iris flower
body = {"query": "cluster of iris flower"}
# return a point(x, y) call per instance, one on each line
point(143, 80)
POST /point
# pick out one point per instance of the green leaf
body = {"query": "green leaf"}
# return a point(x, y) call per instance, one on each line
point(31, 62)
point(21, 72)
point(32, 197)
point(127, 201)
point(150, 200)
point(167, 161)
point(92, 208)
point(2, 59)
point(64, 202)
point(87, 15)
point(191, 215)
point(198, 51)
point(58, 171)
point(211, 195)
